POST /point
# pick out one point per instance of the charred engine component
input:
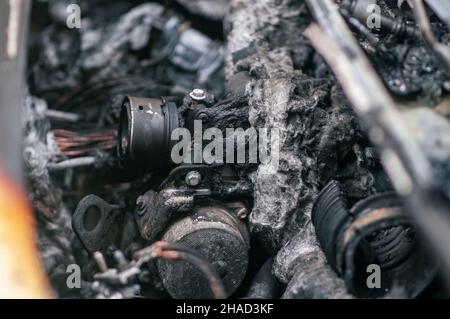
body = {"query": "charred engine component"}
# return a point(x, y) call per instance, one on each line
point(146, 127)
point(144, 133)
point(375, 232)
point(154, 210)
point(361, 10)
point(217, 234)
point(292, 66)
point(145, 130)
point(96, 223)
point(183, 212)
point(183, 209)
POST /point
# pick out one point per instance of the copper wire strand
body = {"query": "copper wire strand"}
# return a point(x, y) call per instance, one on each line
point(73, 144)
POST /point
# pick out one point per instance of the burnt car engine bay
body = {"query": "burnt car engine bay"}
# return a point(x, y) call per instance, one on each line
point(363, 170)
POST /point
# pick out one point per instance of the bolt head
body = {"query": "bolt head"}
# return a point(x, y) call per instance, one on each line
point(193, 179)
point(198, 95)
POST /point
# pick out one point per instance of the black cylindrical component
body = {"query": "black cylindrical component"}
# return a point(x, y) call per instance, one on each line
point(220, 237)
point(374, 232)
point(145, 132)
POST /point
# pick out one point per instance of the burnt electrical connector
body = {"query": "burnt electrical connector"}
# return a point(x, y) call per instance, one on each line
point(145, 133)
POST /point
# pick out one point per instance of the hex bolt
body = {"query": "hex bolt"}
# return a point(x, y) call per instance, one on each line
point(193, 178)
point(198, 95)
point(242, 213)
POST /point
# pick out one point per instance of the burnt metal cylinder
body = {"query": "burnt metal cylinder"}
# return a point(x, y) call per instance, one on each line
point(219, 236)
point(145, 132)
point(374, 232)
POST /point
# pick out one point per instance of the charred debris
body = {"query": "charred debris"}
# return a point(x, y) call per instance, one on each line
point(363, 176)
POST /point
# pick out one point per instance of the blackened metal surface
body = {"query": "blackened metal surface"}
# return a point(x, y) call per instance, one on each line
point(275, 80)
point(96, 223)
point(217, 235)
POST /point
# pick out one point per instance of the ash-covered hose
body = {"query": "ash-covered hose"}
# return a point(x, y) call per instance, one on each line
point(375, 232)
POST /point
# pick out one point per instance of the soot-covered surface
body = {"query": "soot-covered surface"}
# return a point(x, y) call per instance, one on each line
point(268, 75)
